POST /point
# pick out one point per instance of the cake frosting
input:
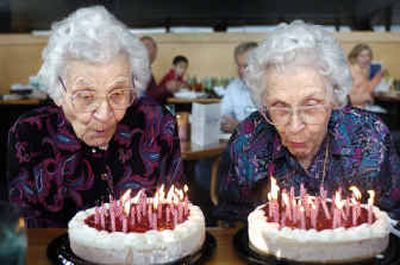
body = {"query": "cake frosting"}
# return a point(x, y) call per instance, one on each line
point(141, 241)
point(321, 242)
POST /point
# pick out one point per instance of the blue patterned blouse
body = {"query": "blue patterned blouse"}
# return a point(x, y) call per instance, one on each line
point(358, 150)
point(52, 174)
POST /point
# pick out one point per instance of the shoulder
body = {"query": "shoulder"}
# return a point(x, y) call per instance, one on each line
point(252, 133)
point(234, 85)
point(37, 120)
point(362, 128)
point(149, 114)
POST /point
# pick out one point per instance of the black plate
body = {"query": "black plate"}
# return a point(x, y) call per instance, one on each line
point(390, 256)
point(59, 252)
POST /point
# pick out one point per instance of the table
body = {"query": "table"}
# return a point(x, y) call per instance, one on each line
point(190, 151)
point(39, 238)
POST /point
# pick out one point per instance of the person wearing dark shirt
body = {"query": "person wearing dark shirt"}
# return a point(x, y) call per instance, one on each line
point(100, 137)
point(176, 73)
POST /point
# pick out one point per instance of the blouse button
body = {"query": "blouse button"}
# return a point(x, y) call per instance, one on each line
point(94, 150)
point(104, 176)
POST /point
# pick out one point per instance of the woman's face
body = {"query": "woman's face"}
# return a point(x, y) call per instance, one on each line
point(364, 58)
point(90, 80)
point(299, 86)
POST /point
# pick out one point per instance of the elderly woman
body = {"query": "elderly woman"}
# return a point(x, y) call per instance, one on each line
point(360, 58)
point(302, 132)
point(101, 137)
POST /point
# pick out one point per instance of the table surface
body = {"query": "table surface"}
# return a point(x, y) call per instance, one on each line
point(191, 151)
point(192, 100)
point(21, 102)
point(39, 238)
point(388, 96)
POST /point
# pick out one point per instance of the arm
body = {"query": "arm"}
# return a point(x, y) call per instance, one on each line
point(228, 121)
point(159, 92)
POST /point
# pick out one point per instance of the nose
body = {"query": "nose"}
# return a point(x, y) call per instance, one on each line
point(103, 112)
point(295, 123)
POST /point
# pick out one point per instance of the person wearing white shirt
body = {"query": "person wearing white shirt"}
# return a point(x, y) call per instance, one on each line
point(237, 103)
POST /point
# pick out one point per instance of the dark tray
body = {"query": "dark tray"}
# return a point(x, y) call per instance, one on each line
point(59, 252)
point(390, 256)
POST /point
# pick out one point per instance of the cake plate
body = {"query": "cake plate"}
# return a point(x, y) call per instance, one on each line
point(59, 252)
point(390, 256)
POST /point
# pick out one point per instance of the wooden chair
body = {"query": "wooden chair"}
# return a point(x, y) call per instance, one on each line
point(214, 180)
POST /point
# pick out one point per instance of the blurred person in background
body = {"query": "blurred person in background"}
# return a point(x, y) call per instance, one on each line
point(175, 76)
point(361, 94)
point(158, 92)
point(237, 103)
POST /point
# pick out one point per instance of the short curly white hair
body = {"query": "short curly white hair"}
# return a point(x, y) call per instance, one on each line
point(94, 35)
point(307, 43)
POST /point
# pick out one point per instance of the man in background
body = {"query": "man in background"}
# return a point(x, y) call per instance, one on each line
point(237, 103)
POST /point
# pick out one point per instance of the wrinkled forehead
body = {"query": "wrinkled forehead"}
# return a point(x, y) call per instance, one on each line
point(294, 83)
point(85, 72)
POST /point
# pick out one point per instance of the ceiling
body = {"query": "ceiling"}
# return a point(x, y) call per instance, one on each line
point(25, 16)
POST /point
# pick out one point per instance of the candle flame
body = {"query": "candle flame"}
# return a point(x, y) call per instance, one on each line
point(137, 196)
point(126, 202)
point(285, 199)
point(185, 188)
point(371, 197)
point(356, 192)
point(274, 189)
point(156, 200)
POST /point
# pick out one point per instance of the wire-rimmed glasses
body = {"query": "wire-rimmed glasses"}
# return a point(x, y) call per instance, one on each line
point(281, 116)
point(89, 101)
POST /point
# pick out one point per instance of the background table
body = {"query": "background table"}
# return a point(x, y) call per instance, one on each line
point(39, 238)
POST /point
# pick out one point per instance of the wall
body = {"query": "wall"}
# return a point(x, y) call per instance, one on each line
point(210, 54)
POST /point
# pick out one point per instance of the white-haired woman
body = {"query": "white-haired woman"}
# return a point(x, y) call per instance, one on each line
point(303, 133)
point(100, 137)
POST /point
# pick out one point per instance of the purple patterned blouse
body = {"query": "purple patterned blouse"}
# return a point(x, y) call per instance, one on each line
point(357, 151)
point(52, 174)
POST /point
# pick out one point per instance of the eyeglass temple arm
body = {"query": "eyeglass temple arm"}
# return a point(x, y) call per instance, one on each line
point(62, 83)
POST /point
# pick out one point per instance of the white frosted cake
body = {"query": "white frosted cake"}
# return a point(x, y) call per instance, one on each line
point(312, 237)
point(136, 238)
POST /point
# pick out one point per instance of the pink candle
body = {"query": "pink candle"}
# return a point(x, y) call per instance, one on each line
point(302, 218)
point(314, 216)
point(138, 213)
point(103, 217)
point(150, 213)
point(175, 217)
point(132, 216)
point(335, 216)
point(124, 224)
point(168, 213)
point(155, 221)
point(325, 207)
point(96, 216)
point(370, 213)
point(283, 220)
point(347, 207)
point(180, 212)
point(302, 191)
point(270, 206)
point(159, 211)
point(112, 220)
point(186, 204)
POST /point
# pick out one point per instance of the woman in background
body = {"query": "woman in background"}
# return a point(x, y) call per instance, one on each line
point(360, 59)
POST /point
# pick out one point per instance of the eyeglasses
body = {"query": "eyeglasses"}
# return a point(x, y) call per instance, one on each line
point(281, 116)
point(88, 101)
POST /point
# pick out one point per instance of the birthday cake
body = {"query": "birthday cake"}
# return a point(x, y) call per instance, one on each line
point(138, 231)
point(317, 229)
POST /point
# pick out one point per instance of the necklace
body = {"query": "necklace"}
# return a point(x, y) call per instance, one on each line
point(325, 161)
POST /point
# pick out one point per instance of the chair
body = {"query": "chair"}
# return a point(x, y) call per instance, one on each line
point(214, 180)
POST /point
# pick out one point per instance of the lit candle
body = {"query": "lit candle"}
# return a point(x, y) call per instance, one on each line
point(96, 216)
point(302, 218)
point(103, 211)
point(356, 206)
point(168, 213)
point(154, 221)
point(139, 213)
point(132, 216)
point(314, 216)
point(112, 220)
point(370, 205)
point(150, 214)
point(270, 206)
point(124, 224)
point(286, 204)
point(325, 208)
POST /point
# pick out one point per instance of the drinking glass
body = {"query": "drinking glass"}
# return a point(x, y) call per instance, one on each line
point(12, 235)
